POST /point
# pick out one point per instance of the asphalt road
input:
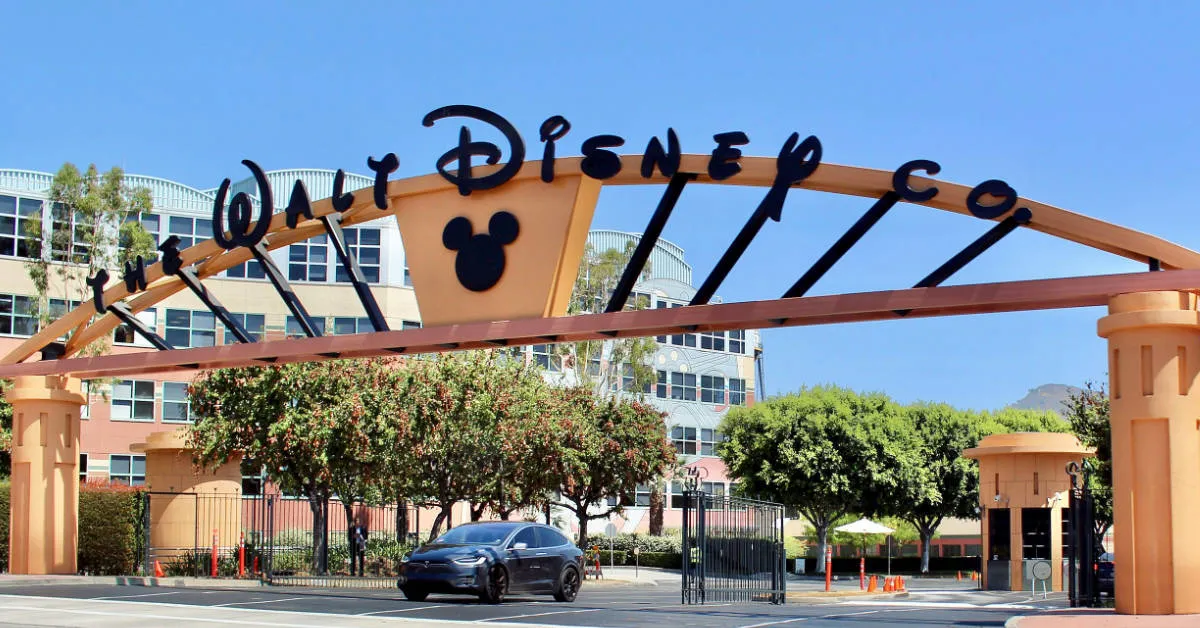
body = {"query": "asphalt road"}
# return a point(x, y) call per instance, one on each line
point(598, 605)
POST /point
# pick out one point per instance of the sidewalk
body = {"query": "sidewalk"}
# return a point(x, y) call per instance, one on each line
point(1101, 618)
point(10, 580)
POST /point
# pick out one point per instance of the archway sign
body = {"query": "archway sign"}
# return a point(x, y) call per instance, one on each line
point(493, 249)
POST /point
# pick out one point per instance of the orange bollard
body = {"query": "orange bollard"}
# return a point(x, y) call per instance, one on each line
point(242, 555)
point(872, 584)
point(958, 577)
point(158, 570)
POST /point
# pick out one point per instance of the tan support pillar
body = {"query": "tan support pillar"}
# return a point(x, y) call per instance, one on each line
point(1154, 356)
point(44, 536)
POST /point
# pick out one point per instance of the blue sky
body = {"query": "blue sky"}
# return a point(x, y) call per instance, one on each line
point(1086, 106)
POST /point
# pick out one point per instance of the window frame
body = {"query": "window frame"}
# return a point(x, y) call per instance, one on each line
point(133, 400)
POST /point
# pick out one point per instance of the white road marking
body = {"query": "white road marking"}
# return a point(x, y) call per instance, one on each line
point(282, 599)
point(403, 610)
point(581, 610)
point(121, 597)
point(192, 613)
point(796, 620)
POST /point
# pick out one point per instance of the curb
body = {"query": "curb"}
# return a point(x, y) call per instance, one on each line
point(799, 597)
point(129, 581)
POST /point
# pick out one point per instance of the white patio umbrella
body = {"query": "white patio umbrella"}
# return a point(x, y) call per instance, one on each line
point(866, 526)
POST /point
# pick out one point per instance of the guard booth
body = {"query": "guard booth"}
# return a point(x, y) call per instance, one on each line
point(1024, 493)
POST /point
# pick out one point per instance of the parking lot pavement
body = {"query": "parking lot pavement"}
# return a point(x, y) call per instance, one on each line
point(598, 605)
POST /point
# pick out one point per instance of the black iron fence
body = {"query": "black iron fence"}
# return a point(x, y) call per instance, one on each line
point(732, 550)
point(278, 539)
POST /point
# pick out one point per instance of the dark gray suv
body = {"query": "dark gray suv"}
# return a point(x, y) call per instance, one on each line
point(491, 559)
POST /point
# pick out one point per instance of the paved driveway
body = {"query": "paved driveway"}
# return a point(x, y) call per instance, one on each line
point(599, 605)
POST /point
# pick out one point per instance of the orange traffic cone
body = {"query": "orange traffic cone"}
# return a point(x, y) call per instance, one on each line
point(158, 570)
point(887, 585)
point(958, 576)
point(900, 586)
point(872, 585)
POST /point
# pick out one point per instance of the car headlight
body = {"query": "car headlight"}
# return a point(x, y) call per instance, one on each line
point(470, 561)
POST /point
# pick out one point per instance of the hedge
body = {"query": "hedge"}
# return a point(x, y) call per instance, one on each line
point(904, 565)
point(4, 521)
point(110, 530)
point(645, 542)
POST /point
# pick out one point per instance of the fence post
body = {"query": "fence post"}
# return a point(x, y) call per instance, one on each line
point(147, 564)
point(269, 558)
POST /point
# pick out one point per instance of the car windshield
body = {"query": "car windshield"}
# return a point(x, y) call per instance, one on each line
point(482, 534)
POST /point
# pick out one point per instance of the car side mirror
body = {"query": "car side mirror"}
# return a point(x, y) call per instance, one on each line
point(519, 546)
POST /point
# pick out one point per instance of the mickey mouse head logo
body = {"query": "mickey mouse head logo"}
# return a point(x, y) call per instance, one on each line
point(480, 260)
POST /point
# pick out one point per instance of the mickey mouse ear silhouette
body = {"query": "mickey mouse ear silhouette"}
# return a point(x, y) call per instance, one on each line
point(457, 233)
point(503, 227)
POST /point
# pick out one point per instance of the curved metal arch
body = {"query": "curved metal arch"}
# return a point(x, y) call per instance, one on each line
point(756, 171)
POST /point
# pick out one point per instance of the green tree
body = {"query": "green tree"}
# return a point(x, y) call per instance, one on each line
point(953, 489)
point(92, 227)
point(1088, 414)
point(826, 451)
point(474, 428)
point(610, 446)
point(317, 427)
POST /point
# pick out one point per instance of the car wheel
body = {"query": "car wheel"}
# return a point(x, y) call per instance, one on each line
point(497, 585)
point(416, 595)
point(568, 585)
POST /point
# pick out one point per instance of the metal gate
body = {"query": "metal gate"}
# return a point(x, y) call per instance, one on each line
point(1084, 550)
point(732, 550)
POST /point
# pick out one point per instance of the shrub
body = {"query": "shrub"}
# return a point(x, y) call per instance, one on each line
point(646, 543)
point(665, 560)
point(4, 527)
point(110, 529)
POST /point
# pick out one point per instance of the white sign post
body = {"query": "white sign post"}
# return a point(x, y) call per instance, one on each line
point(610, 531)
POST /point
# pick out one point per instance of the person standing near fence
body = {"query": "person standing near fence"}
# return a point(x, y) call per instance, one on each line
point(358, 543)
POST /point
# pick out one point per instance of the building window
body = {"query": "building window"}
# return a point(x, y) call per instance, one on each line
point(546, 358)
point(363, 244)
point(660, 388)
point(150, 223)
point(127, 470)
point(18, 315)
point(712, 389)
point(676, 495)
point(85, 388)
point(186, 328)
point(83, 461)
point(737, 391)
point(661, 305)
point(407, 277)
point(628, 379)
point(13, 238)
point(684, 439)
point(737, 341)
point(133, 400)
point(640, 496)
point(189, 230)
point(708, 442)
point(60, 307)
point(714, 340)
point(249, 269)
point(344, 326)
point(254, 324)
point(124, 334)
point(176, 405)
point(293, 329)
point(308, 261)
point(410, 325)
point(69, 234)
point(253, 478)
point(638, 301)
point(683, 386)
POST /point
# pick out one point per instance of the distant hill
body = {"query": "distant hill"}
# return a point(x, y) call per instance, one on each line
point(1046, 397)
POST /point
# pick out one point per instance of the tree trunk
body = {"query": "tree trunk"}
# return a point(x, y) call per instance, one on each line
point(442, 516)
point(477, 511)
point(656, 511)
point(583, 521)
point(401, 522)
point(348, 508)
point(319, 505)
point(822, 542)
point(926, 544)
